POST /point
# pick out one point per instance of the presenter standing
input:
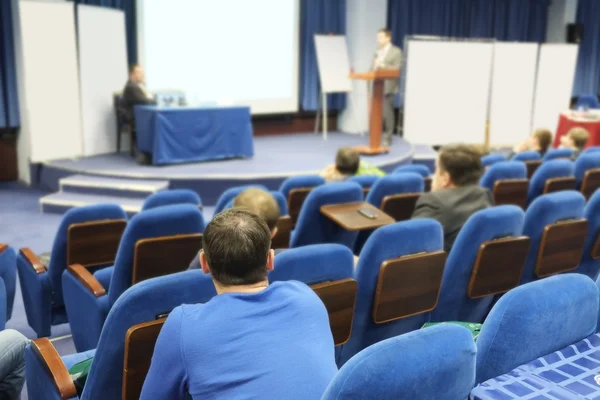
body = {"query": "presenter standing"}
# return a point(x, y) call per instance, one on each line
point(388, 56)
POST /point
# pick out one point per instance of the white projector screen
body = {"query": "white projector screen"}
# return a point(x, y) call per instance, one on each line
point(51, 79)
point(513, 83)
point(447, 91)
point(234, 52)
point(102, 71)
point(556, 72)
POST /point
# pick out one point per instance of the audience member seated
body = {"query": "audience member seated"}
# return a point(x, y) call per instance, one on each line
point(259, 202)
point(253, 340)
point(456, 194)
point(540, 141)
point(347, 164)
point(575, 139)
point(12, 364)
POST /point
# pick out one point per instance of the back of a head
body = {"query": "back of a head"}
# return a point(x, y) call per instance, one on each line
point(544, 138)
point(347, 161)
point(236, 244)
point(462, 162)
point(261, 203)
point(579, 136)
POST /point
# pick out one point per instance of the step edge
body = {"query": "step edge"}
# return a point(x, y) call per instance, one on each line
point(133, 188)
point(80, 203)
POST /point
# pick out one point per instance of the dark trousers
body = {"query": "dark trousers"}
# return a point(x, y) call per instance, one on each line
point(389, 117)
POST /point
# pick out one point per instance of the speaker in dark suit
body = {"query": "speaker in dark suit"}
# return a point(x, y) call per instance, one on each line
point(135, 91)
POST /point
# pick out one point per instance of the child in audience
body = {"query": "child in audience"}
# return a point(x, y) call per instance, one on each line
point(540, 141)
point(347, 164)
point(576, 140)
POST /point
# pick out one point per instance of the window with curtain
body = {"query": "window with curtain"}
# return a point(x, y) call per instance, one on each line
point(587, 77)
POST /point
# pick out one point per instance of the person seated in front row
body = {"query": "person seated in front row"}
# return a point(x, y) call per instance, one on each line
point(253, 340)
point(456, 194)
point(258, 202)
point(576, 139)
point(347, 164)
point(12, 364)
point(540, 141)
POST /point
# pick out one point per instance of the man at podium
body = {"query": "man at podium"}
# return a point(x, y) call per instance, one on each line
point(388, 56)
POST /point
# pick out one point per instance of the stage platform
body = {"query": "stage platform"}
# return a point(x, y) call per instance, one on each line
point(276, 158)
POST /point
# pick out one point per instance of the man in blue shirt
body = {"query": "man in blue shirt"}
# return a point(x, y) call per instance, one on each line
point(253, 340)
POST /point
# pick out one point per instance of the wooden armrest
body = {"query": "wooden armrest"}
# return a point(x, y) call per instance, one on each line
point(33, 260)
point(3, 247)
point(87, 279)
point(55, 367)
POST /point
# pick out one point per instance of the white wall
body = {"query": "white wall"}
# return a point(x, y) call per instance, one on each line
point(23, 140)
point(560, 14)
point(363, 20)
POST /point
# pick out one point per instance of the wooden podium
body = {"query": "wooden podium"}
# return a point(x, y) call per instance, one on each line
point(376, 121)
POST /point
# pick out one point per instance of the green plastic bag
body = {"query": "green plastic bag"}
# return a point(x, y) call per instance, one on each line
point(79, 373)
point(472, 327)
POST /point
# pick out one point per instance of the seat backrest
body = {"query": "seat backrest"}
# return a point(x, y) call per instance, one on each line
point(282, 237)
point(59, 256)
point(492, 159)
point(532, 166)
point(302, 181)
point(171, 197)
point(527, 156)
point(555, 154)
point(230, 194)
point(587, 173)
point(313, 227)
point(164, 221)
point(501, 171)
point(591, 149)
point(281, 202)
point(546, 171)
point(416, 168)
point(590, 258)
point(547, 210)
point(409, 182)
point(483, 231)
point(534, 320)
point(402, 246)
point(328, 269)
point(508, 183)
point(365, 181)
point(436, 363)
point(142, 303)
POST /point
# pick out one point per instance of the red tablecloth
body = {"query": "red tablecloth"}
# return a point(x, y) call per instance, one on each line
point(565, 124)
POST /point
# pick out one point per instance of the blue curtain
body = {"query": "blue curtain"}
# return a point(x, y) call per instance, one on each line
point(9, 102)
point(128, 6)
point(587, 78)
point(318, 17)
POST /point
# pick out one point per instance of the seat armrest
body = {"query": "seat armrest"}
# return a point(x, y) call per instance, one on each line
point(35, 262)
point(3, 247)
point(50, 359)
point(87, 279)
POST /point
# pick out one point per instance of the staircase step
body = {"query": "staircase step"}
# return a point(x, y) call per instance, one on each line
point(104, 186)
point(59, 203)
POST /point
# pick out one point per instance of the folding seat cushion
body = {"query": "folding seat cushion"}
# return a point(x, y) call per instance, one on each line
point(171, 197)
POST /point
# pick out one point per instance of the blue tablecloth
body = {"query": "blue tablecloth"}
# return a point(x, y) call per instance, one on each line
point(185, 134)
point(572, 373)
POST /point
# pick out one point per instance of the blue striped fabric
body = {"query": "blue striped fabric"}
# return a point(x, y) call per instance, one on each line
point(572, 373)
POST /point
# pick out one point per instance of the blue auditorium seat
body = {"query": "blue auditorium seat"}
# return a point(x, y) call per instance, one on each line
point(545, 210)
point(437, 363)
point(534, 320)
point(502, 170)
point(589, 265)
point(591, 149)
point(417, 168)
point(585, 163)
point(302, 181)
point(139, 304)
point(171, 197)
point(8, 273)
point(492, 159)
point(527, 156)
point(313, 227)
point(555, 154)
point(548, 170)
point(587, 101)
point(42, 292)
point(88, 310)
point(408, 182)
point(365, 181)
point(230, 194)
point(486, 225)
point(388, 243)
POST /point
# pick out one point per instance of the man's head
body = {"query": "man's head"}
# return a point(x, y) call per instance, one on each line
point(347, 161)
point(261, 203)
point(542, 138)
point(457, 165)
point(384, 37)
point(237, 249)
point(136, 73)
point(575, 139)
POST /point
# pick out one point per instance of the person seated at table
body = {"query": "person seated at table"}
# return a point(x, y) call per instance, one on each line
point(540, 141)
point(347, 164)
point(259, 202)
point(576, 139)
point(135, 92)
point(254, 340)
point(456, 194)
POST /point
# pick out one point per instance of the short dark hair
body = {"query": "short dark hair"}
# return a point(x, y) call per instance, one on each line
point(261, 203)
point(347, 161)
point(386, 32)
point(544, 138)
point(462, 162)
point(236, 244)
point(132, 68)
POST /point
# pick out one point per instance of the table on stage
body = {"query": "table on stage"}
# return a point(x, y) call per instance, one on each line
point(185, 134)
point(571, 119)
